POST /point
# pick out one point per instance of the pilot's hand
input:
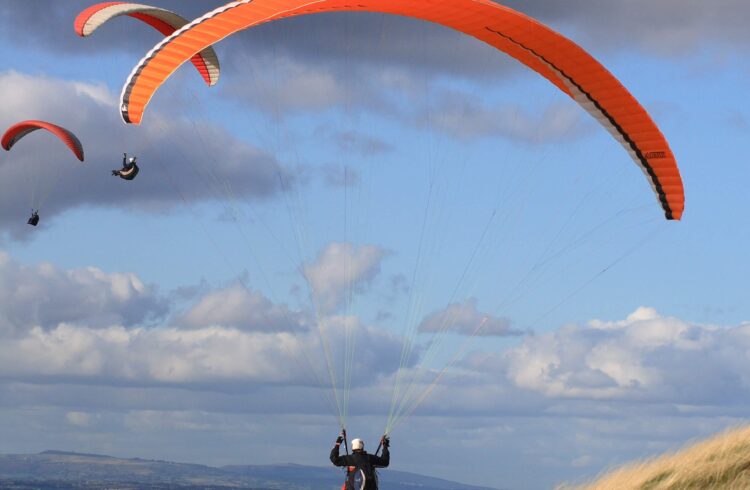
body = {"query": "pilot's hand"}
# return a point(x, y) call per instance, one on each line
point(339, 440)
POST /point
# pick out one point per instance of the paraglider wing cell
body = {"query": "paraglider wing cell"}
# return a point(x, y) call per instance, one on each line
point(18, 131)
point(164, 21)
point(548, 53)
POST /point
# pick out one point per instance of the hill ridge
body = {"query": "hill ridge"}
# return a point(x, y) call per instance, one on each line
point(103, 471)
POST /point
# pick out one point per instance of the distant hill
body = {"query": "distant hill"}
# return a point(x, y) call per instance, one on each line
point(719, 463)
point(60, 470)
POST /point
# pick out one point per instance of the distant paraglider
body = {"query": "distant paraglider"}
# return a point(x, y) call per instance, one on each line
point(18, 131)
point(129, 168)
point(164, 21)
point(34, 220)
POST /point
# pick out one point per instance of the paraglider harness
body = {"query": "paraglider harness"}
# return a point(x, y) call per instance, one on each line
point(128, 170)
point(34, 220)
point(357, 476)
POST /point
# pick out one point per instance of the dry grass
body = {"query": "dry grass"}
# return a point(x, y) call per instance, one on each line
point(722, 462)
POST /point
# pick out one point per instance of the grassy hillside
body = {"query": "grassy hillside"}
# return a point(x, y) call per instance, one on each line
point(722, 463)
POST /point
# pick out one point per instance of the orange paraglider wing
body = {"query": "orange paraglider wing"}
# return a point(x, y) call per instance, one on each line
point(164, 21)
point(16, 132)
point(550, 54)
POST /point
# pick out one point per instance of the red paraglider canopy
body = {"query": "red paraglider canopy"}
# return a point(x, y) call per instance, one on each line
point(16, 132)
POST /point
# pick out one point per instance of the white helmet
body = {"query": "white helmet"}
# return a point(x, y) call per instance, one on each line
point(358, 444)
point(131, 160)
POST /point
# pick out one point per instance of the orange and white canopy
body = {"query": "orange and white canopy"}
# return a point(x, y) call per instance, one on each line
point(164, 21)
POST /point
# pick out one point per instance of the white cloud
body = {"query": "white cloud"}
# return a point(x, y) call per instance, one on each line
point(152, 356)
point(341, 270)
point(465, 319)
point(87, 327)
point(644, 357)
point(46, 296)
point(209, 358)
point(577, 398)
point(241, 308)
point(91, 327)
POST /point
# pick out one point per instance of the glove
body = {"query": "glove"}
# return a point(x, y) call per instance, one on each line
point(386, 441)
point(339, 440)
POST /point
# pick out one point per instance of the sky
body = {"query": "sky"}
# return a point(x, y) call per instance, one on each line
point(353, 184)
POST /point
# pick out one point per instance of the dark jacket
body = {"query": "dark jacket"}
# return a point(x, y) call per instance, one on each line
point(360, 460)
point(128, 170)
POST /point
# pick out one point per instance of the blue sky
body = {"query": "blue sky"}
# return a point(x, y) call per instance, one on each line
point(171, 317)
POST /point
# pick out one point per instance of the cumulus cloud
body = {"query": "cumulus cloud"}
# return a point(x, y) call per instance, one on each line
point(244, 309)
point(342, 269)
point(646, 365)
point(644, 357)
point(582, 395)
point(213, 358)
point(146, 356)
point(88, 327)
point(466, 319)
point(178, 148)
point(47, 296)
point(376, 351)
